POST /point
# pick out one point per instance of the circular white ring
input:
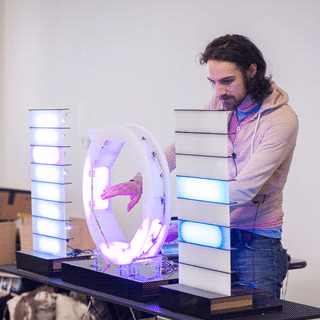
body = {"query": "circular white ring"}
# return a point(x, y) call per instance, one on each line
point(104, 149)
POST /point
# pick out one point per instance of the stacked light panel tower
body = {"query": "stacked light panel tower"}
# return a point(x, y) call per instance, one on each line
point(203, 200)
point(48, 170)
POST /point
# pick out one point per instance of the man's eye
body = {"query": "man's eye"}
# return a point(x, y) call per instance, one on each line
point(227, 81)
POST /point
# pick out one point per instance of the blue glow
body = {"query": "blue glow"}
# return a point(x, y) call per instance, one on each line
point(203, 189)
point(204, 234)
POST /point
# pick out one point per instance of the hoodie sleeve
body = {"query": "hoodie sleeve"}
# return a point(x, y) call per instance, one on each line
point(260, 173)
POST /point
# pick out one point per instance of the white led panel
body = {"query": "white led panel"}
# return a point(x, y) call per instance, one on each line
point(204, 167)
point(49, 245)
point(48, 209)
point(46, 118)
point(204, 257)
point(48, 191)
point(214, 121)
point(206, 212)
point(48, 173)
point(48, 227)
point(202, 144)
point(46, 137)
point(205, 279)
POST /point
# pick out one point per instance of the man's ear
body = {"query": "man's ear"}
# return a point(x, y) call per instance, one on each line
point(252, 71)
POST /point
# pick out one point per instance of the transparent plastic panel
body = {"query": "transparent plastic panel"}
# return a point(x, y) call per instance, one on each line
point(203, 167)
point(202, 144)
point(213, 121)
point(205, 279)
point(206, 212)
point(205, 257)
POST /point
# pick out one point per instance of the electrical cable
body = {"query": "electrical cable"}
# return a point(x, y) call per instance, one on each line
point(94, 308)
point(284, 288)
point(87, 310)
point(132, 313)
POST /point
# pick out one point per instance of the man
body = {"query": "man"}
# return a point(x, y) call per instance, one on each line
point(263, 131)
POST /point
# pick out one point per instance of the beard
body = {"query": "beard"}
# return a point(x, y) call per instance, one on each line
point(230, 102)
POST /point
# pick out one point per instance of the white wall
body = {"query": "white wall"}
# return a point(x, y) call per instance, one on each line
point(135, 61)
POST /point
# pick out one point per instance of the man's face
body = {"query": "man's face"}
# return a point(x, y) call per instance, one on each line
point(228, 82)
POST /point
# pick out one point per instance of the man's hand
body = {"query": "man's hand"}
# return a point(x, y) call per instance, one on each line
point(131, 188)
point(173, 232)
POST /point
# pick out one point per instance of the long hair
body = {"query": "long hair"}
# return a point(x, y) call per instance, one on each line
point(241, 51)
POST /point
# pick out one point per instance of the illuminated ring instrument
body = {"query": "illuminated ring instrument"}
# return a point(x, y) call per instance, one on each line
point(105, 231)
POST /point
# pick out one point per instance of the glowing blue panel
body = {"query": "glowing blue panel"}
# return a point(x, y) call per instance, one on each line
point(47, 118)
point(54, 246)
point(48, 191)
point(204, 234)
point(46, 137)
point(48, 209)
point(48, 227)
point(203, 189)
point(48, 173)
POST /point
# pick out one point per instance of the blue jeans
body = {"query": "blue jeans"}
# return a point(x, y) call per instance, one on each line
point(259, 260)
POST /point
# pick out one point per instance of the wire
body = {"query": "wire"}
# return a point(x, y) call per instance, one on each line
point(89, 305)
point(284, 288)
point(132, 313)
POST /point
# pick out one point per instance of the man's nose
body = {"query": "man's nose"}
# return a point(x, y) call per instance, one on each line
point(220, 90)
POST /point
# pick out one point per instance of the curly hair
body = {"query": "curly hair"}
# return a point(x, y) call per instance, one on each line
point(241, 51)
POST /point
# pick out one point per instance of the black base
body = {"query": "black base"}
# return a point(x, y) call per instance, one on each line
point(142, 289)
point(209, 305)
point(42, 263)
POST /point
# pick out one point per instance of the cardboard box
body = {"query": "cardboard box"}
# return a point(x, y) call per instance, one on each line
point(81, 236)
point(8, 234)
point(14, 204)
point(26, 237)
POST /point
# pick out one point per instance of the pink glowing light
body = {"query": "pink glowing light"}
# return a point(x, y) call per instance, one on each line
point(46, 155)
